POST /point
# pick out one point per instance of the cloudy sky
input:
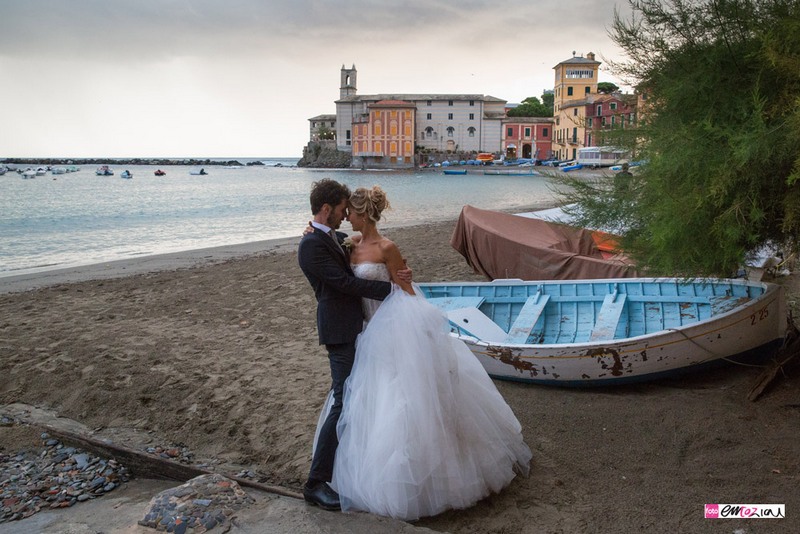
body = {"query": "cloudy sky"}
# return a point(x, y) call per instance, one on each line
point(240, 78)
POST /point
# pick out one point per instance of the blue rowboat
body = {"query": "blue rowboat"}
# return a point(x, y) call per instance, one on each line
point(612, 331)
point(455, 171)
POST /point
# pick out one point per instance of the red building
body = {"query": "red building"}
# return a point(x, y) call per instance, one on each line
point(527, 137)
point(608, 112)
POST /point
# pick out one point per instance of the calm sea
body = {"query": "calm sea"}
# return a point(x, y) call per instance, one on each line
point(56, 221)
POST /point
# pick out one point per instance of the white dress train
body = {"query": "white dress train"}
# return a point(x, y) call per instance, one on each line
point(423, 428)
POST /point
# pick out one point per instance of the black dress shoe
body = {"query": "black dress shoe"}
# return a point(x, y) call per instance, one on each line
point(323, 496)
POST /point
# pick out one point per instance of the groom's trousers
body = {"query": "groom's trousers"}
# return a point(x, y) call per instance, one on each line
point(341, 358)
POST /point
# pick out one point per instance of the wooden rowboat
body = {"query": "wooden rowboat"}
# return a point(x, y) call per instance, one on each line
point(455, 171)
point(612, 331)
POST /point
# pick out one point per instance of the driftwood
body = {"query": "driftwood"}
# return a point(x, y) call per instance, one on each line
point(144, 465)
point(785, 356)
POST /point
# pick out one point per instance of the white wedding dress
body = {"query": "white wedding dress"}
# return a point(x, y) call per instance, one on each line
point(423, 428)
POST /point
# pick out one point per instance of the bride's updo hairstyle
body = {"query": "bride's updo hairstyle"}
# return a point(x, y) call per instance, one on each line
point(370, 201)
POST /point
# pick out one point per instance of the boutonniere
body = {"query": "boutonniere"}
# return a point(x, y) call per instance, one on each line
point(348, 244)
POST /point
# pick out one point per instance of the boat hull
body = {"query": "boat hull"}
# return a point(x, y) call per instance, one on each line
point(756, 326)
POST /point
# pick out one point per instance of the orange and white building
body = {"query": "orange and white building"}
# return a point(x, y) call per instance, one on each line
point(384, 136)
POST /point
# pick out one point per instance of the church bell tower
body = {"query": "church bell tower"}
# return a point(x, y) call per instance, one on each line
point(347, 86)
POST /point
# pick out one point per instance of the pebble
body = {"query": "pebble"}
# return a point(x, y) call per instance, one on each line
point(54, 477)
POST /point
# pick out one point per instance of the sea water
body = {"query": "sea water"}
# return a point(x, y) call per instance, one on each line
point(67, 220)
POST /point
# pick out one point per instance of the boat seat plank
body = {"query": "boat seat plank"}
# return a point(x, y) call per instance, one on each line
point(454, 303)
point(527, 318)
point(608, 318)
point(724, 303)
point(476, 324)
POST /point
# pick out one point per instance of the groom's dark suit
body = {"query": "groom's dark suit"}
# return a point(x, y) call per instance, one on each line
point(340, 318)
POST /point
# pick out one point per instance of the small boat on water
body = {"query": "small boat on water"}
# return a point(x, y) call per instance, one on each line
point(28, 173)
point(201, 172)
point(612, 331)
point(530, 172)
point(104, 170)
point(159, 172)
point(126, 174)
point(58, 170)
point(455, 171)
point(3, 170)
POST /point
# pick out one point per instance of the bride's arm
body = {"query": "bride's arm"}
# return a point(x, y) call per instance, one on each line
point(395, 263)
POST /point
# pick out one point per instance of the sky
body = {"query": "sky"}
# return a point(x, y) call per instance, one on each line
point(241, 78)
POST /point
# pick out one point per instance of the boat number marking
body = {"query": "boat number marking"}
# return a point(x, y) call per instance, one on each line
point(760, 315)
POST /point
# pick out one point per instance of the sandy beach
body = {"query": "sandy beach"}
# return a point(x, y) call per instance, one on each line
point(217, 350)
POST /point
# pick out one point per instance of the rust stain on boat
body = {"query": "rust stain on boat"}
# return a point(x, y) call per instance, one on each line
point(604, 352)
point(506, 355)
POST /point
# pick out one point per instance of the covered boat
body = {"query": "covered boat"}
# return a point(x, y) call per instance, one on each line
point(602, 332)
point(501, 245)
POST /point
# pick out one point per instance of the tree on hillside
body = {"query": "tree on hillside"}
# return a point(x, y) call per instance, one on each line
point(606, 88)
point(720, 134)
point(532, 107)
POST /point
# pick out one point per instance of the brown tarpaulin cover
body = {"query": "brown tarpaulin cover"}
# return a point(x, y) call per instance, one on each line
point(501, 245)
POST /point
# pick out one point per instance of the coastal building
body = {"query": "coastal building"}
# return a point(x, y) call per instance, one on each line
point(527, 137)
point(322, 128)
point(607, 113)
point(583, 117)
point(442, 122)
point(384, 136)
point(574, 88)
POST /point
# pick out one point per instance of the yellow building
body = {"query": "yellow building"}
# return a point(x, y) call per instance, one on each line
point(575, 86)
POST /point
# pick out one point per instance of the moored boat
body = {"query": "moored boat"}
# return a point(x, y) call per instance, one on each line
point(104, 170)
point(201, 172)
point(159, 172)
point(612, 331)
point(126, 174)
point(455, 171)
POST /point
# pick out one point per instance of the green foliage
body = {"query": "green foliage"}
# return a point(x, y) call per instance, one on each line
point(720, 134)
point(606, 88)
point(532, 107)
point(326, 134)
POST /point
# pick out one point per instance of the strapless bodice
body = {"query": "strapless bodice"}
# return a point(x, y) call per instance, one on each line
point(371, 271)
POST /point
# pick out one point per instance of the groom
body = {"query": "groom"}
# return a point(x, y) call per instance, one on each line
point(339, 319)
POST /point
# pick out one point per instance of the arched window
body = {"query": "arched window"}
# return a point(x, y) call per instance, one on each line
point(450, 131)
point(429, 132)
point(471, 131)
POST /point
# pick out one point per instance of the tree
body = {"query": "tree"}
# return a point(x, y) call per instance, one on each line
point(326, 134)
point(720, 135)
point(532, 107)
point(606, 88)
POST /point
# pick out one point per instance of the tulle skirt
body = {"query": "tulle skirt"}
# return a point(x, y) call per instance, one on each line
point(423, 428)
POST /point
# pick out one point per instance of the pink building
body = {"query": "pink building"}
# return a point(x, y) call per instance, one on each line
point(608, 112)
point(527, 137)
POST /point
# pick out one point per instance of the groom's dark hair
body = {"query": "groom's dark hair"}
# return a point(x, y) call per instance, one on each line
point(327, 191)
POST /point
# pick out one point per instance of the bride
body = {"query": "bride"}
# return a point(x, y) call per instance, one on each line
point(423, 428)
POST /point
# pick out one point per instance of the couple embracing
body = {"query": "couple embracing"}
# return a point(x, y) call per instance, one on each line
point(413, 425)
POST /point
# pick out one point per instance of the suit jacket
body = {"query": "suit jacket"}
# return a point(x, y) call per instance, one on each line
point(340, 316)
